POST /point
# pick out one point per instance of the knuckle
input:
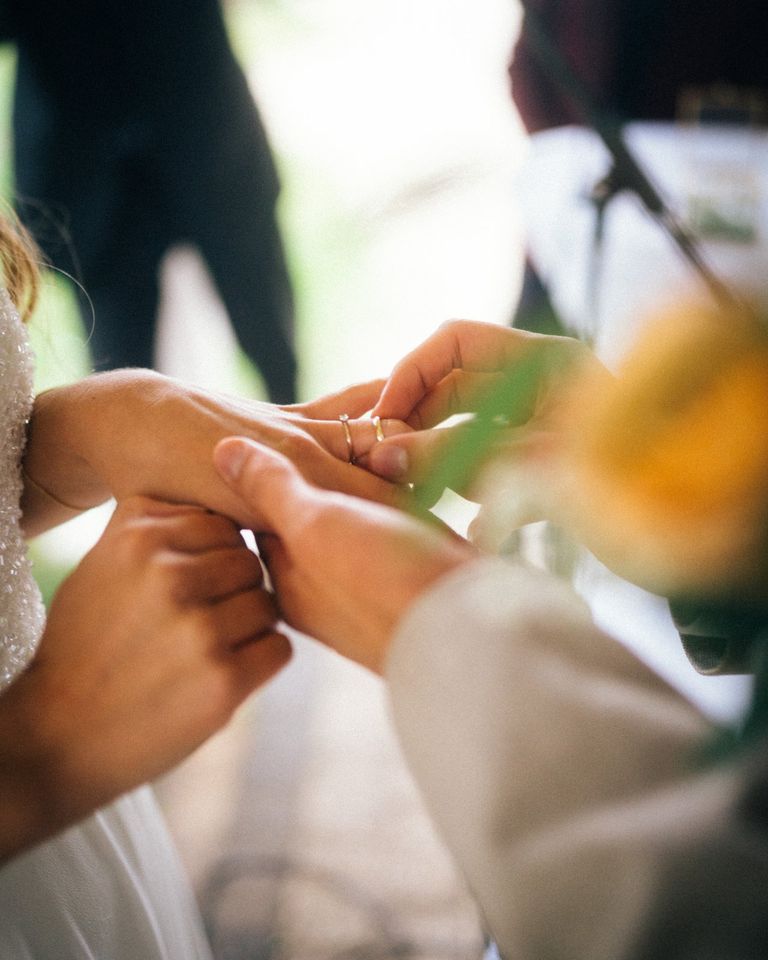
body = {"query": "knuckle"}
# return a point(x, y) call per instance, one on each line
point(319, 520)
point(417, 420)
point(221, 529)
point(448, 325)
point(170, 573)
point(235, 571)
point(454, 326)
point(136, 540)
point(136, 505)
point(295, 445)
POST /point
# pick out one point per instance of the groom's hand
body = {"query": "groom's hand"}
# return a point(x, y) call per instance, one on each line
point(345, 570)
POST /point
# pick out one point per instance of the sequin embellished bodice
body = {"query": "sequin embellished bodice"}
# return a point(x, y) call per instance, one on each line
point(21, 610)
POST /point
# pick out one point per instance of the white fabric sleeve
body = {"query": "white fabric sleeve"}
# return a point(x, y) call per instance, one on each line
point(556, 765)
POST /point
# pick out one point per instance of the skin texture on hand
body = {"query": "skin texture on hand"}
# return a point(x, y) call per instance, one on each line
point(459, 364)
point(660, 471)
point(152, 642)
point(135, 432)
point(454, 372)
point(512, 378)
point(345, 570)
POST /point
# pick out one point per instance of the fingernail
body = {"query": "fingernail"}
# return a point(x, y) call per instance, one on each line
point(230, 458)
point(389, 461)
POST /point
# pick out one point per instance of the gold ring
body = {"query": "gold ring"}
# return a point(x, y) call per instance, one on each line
point(377, 427)
point(344, 420)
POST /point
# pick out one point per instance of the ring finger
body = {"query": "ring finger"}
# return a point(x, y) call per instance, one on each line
point(350, 438)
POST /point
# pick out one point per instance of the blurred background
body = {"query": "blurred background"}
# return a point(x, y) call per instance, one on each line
point(397, 146)
point(406, 178)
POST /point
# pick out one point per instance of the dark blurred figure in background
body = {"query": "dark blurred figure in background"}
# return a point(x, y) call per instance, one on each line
point(638, 58)
point(635, 60)
point(134, 131)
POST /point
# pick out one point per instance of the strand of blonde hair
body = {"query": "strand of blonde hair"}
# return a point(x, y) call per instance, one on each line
point(20, 264)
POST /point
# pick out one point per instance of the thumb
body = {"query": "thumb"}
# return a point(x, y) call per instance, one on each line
point(267, 483)
point(412, 457)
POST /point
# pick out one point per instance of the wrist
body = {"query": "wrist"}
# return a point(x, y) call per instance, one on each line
point(78, 433)
point(34, 804)
point(55, 458)
point(432, 572)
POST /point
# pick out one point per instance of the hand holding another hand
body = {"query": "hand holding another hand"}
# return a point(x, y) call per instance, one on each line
point(152, 642)
point(137, 433)
point(345, 570)
point(456, 371)
point(659, 470)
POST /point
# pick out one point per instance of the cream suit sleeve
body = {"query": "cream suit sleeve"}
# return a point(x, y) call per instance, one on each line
point(559, 769)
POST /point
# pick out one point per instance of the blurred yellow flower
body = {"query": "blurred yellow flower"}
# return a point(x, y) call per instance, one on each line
point(665, 469)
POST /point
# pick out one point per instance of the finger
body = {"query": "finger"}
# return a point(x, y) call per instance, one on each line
point(351, 441)
point(272, 552)
point(135, 507)
point(255, 662)
point(457, 393)
point(279, 567)
point(411, 457)
point(354, 401)
point(269, 485)
point(198, 532)
point(458, 345)
point(334, 475)
point(216, 574)
point(448, 457)
point(241, 616)
point(319, 467)
point(186, 529)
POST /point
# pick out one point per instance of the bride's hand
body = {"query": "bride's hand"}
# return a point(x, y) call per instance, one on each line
point(151, 643)
point(134, 432)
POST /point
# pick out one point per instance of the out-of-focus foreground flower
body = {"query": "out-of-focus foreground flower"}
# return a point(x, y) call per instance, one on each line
point(663, 471)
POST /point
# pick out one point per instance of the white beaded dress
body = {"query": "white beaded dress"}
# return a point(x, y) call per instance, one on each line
point(111, 887)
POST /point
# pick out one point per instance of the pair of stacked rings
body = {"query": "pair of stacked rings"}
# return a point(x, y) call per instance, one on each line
point(344, 420)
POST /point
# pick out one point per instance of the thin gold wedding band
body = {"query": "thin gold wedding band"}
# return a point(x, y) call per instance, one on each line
point(377, 427)
point(344, 420)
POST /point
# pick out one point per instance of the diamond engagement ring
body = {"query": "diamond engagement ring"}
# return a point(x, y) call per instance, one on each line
point(344, 420)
